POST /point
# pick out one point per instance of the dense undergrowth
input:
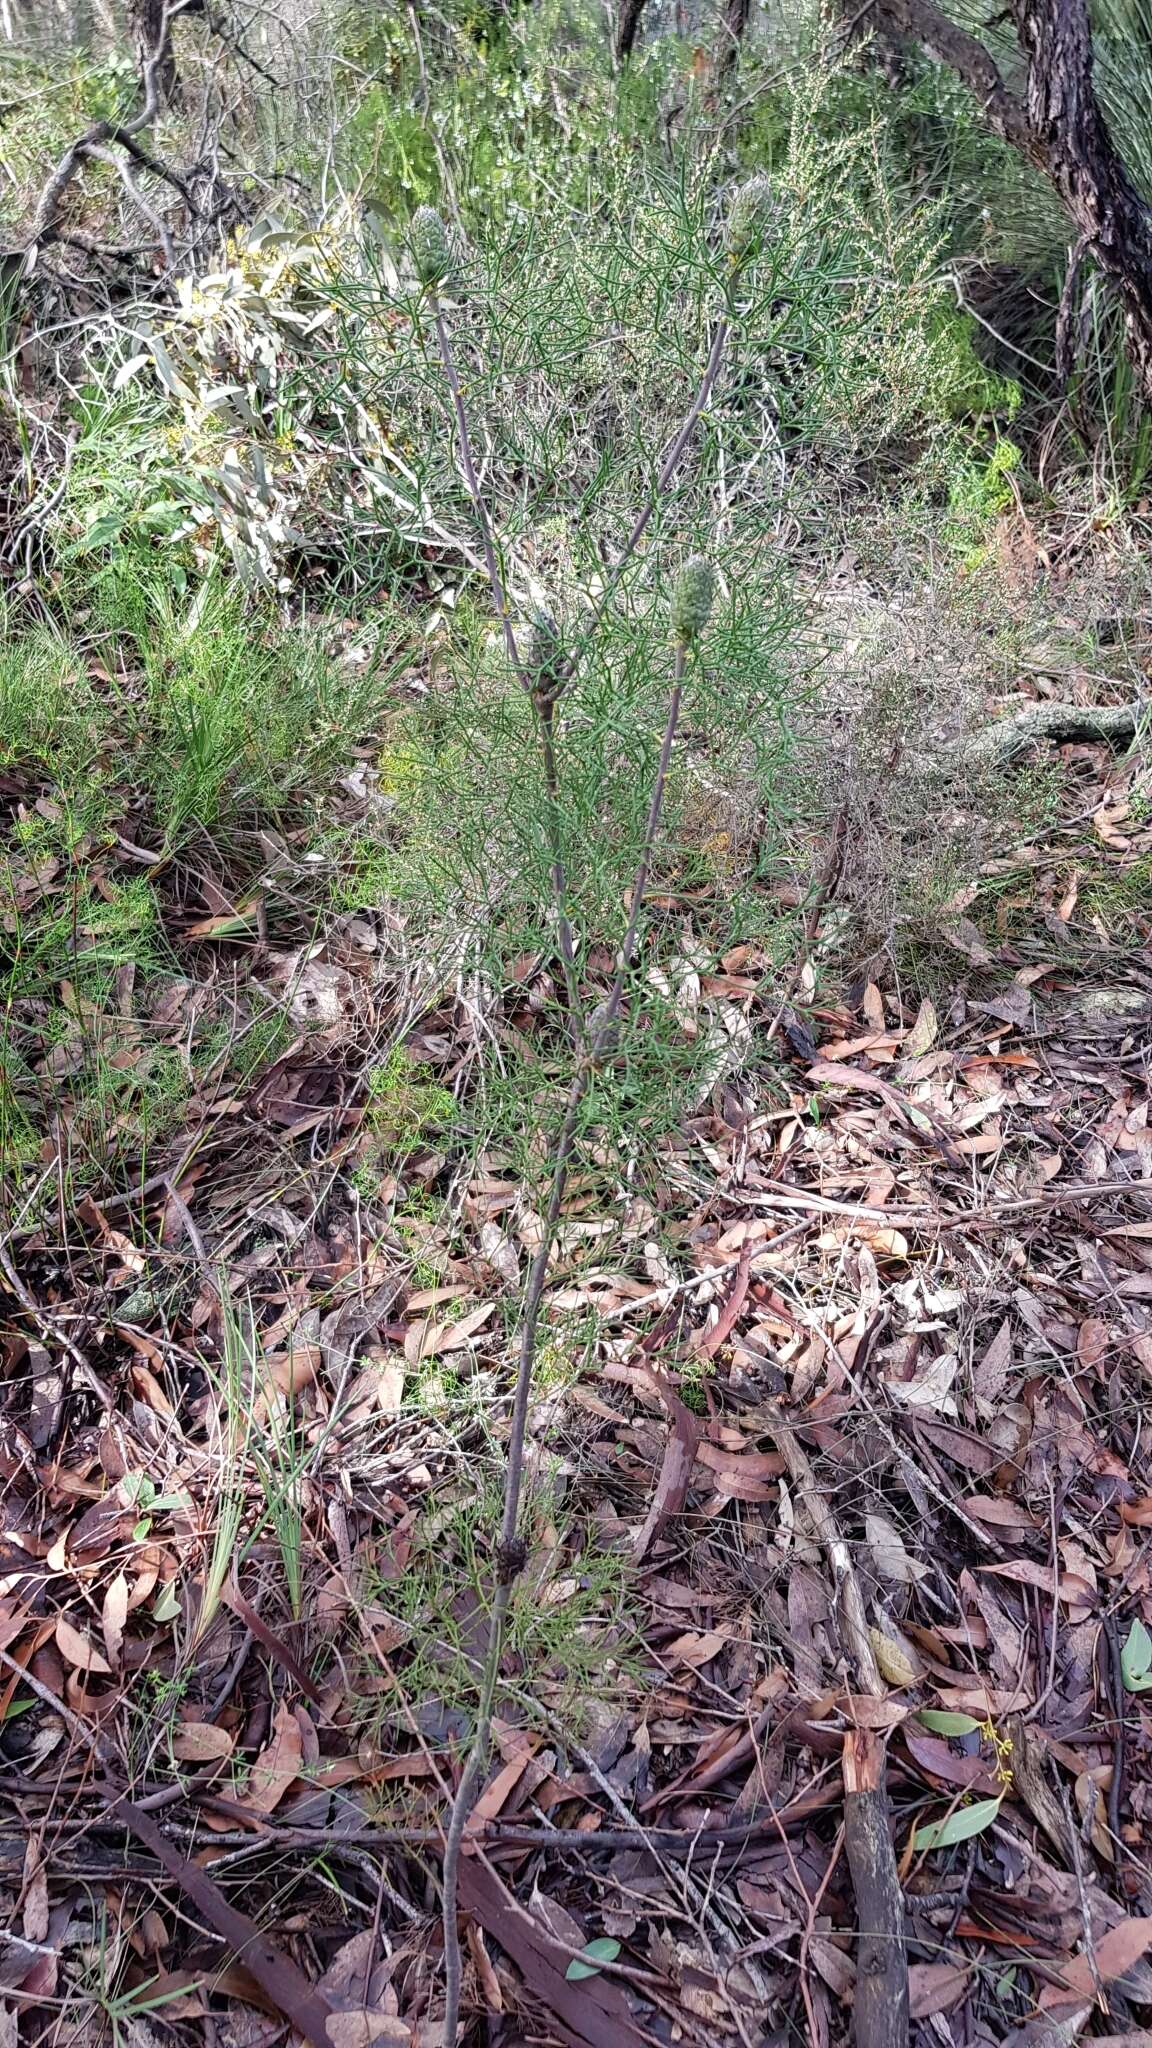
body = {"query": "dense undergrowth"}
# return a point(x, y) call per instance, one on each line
point(277, 843)
point(265, 767)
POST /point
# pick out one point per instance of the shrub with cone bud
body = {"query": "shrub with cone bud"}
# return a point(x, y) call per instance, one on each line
point(749, 218)
point(542, 652)
point(431, 249)
point(692, 600)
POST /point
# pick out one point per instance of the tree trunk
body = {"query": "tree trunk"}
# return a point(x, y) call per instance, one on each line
point(1078, 155)
point(148, 33)
point(627, 23)
point(1059, 127)
point(734, 23)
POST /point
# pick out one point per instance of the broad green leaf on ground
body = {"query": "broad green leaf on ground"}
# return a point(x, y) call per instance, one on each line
point(943, 1723)
point(959, 1826)
point(602, 1950)
point(1136, 1659)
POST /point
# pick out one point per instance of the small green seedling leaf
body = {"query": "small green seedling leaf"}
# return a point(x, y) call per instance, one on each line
point(959, 1826)
point(943, 1723)
point(588, 1965)
point(1136, 1659)
point(167, 1607)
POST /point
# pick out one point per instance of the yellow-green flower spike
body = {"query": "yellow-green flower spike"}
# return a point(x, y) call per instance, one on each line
point(749, 218)
point(431, 249)
point(692, 596)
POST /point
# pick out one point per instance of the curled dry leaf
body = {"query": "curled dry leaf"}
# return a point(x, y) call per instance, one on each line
point(932, 1386)
point(430, 1340)
point(79, 1650)
point(990, 1376)
point(113, 1616)
point(894, 1658)
point(201, 1742)
point(277, 1766)
point(35, 1912)
point(922, 1036)
point(500, 1253)
point(889, 1552)
point(364, 2029)
point(1117, 1951)
point(696, 1650)
point(936, 1987)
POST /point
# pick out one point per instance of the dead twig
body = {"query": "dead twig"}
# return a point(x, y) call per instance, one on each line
point(880, 2012)
point(45, 226)
point(849, 1599)
point(50, 1327)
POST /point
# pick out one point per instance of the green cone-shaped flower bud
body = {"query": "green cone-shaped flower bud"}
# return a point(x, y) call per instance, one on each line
point(749, 218)
point(692, 600)
point(431, 249)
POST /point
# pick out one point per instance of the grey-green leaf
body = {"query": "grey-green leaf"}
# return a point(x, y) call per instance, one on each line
point(959, 1826)
point(588, 1965)
point(1136, 1658)
point(943, 1723)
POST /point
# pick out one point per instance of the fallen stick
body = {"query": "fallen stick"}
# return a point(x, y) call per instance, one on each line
point(283, 1982)
point(880, 2013)
point(849, 1599)
point(1060, 724)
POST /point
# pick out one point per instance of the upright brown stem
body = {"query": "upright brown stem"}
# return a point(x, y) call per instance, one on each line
point(544, 710)
point(510, 1548)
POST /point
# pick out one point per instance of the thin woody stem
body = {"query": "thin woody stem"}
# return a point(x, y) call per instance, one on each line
point(667, 471)
point(544, 708)
point(509, 1548)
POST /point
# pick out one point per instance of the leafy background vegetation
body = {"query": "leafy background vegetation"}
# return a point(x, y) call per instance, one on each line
point(277, 916)
point(251, 696)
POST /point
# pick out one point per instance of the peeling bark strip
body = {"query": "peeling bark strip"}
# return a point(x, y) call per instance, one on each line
point(1059, 127)
point(881, 2009)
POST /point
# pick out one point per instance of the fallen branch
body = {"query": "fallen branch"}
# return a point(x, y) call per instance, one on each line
point(1115, 725)
point(880, 2012)
point(277, 1975)
point(849, 1599)
point(881, 2007)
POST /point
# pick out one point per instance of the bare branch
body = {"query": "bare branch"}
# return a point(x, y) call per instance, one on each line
point(1060, 128)
point(45, 225)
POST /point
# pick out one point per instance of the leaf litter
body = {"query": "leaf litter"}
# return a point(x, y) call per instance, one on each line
point(880, 1347)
